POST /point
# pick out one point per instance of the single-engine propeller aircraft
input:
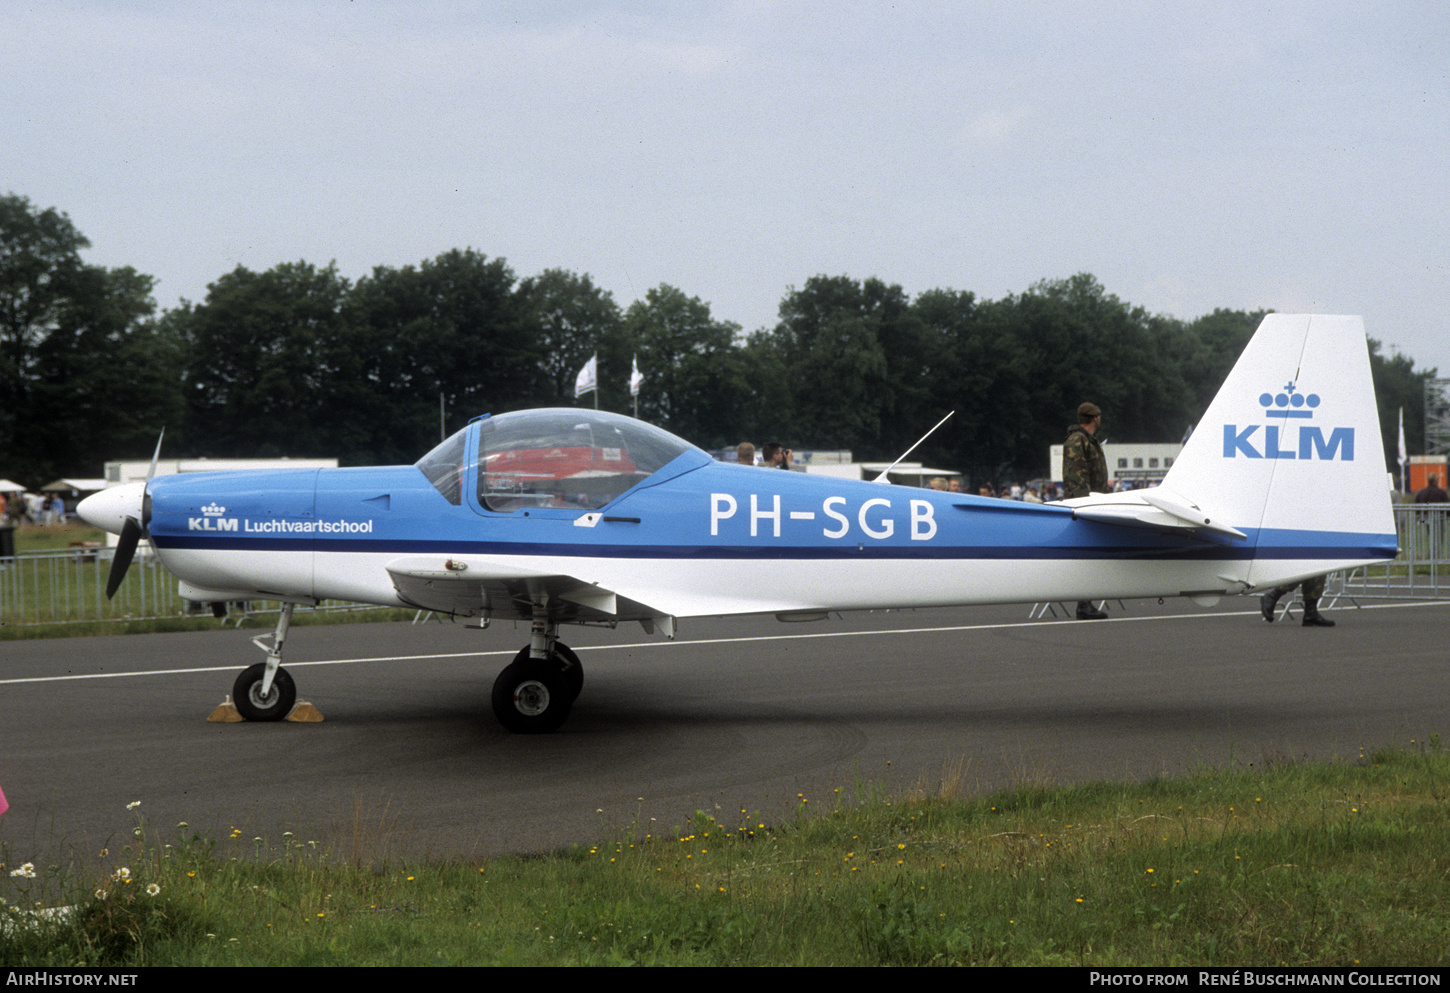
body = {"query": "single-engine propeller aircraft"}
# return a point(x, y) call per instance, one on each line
point(575, 516)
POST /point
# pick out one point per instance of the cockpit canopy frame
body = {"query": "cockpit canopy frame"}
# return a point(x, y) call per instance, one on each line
point(559, 457)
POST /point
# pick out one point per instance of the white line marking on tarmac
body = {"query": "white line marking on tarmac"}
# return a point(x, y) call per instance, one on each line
point(685, 643)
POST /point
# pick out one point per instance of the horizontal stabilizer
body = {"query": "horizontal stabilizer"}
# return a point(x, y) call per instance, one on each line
point(1150, 508)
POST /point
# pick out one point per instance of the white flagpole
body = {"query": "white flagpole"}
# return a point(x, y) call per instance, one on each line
point(1404, 456)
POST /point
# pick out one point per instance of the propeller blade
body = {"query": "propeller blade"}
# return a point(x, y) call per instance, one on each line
point(125, 551)
point(155, 457)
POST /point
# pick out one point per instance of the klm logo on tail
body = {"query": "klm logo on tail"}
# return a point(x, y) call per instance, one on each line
point(1285, 436)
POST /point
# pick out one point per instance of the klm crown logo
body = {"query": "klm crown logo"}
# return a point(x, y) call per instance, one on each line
point(1283, 409)
point(211, 519)
point(1287, 403)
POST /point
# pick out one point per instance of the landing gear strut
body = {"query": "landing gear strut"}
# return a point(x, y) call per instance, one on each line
point(536, 691)
point(265, 691)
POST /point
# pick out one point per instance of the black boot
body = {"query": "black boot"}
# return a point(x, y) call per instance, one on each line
point(1313, 618)
point(1268, 602)
point(1087, 612)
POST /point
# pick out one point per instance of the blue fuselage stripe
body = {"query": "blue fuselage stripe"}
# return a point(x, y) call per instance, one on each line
point(1308, 547)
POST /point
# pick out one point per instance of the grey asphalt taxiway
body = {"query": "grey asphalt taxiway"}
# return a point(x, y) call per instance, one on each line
point(741, 713)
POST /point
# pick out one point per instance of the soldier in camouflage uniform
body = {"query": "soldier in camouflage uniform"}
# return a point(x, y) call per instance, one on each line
point(1084, 471)
point(1313, 590)
point(1084, 467)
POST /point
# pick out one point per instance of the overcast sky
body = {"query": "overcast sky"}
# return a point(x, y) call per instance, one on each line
point(1190, 155)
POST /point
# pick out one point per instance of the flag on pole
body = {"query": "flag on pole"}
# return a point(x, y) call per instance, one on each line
point(3, 805)
point(588, 378)
point(1404, 457)
point(636, 380)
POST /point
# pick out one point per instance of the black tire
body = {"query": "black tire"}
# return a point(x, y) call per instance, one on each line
point(246, 694)
point(571, 667)
point(531, 697)
point(567, 663)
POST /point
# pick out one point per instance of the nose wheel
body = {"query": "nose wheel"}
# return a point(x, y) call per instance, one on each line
point(255, 704)
point(265, 691)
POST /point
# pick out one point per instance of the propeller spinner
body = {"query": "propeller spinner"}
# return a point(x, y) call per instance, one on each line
point(123, 510)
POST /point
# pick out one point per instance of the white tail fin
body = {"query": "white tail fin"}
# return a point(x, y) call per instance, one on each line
point(1289, 451)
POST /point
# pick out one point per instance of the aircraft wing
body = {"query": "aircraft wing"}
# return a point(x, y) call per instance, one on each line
point(472, 585)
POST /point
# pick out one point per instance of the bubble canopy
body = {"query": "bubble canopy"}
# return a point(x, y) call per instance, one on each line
point(560, 457)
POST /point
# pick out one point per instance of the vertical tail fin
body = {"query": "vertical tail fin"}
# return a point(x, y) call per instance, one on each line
point(1289, 451)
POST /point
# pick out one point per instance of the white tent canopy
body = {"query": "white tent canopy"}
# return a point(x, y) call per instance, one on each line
point(79, 485)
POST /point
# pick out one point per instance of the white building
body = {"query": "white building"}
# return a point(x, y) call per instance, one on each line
point(135, 472)
point(904, 474)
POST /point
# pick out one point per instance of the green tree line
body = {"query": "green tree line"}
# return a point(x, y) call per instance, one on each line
point(298, 360)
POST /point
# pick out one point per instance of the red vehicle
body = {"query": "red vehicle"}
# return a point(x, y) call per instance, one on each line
point(563, 475)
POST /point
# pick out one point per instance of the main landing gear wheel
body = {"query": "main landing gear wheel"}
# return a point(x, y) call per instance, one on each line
point(566, 662)
point(532, 697)
point(247, 694)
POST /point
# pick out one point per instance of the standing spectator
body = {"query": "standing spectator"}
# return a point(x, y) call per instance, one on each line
point(1084, 471)
point(1432, 493)
point(1432, 522)
point(776, 456)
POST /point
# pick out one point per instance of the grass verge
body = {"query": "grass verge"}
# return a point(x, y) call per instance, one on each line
point(1299, 864)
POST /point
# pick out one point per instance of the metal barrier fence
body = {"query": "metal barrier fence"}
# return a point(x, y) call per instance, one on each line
point(68, 585)
point(1422, 569)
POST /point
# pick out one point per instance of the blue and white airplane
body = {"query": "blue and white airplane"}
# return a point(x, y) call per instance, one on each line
point(568, 516)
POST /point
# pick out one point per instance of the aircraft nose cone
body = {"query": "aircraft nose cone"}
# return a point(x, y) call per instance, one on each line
point(109, 508)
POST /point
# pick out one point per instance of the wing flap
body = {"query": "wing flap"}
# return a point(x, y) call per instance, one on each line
point(468, 586)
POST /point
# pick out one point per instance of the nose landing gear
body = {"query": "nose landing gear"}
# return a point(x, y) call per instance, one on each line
point(265, 691)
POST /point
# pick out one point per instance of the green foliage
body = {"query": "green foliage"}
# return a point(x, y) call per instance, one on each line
point(694, 374)
point(259, 350)
point(572, 319)
point(295, 360)
point(85, 372)
point(452, 329)
point(855, 364)
point(1398, 385)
